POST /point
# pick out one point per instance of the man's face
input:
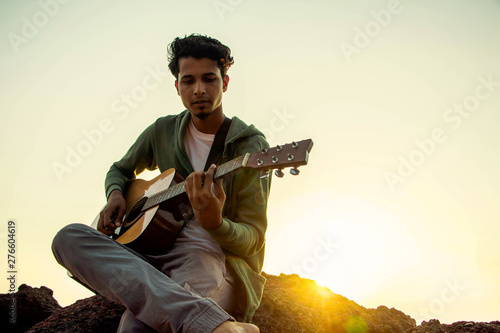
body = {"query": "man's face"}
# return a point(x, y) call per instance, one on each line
point(200, 86)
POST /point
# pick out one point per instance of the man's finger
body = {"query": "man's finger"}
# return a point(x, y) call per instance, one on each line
point(219, 190)
point(188, 184)
point(119, 218)
point(100, 223)
point(102, 226)
point(209, 177)
point(198, 180)
point(109, 221)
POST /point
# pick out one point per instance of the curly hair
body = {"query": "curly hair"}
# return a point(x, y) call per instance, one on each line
point(198, 46)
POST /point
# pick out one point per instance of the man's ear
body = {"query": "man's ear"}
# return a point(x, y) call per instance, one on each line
point(177, 87)
point(225, 82)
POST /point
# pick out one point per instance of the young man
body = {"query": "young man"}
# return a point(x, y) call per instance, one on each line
point(212, 273)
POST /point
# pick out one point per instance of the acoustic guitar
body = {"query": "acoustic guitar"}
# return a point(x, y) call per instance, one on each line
point(158, 209)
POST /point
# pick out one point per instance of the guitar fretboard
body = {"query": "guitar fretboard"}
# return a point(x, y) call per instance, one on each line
point(178, 189)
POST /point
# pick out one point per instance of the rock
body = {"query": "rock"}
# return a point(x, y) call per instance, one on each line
point(26, 307)
point(294, 304)
point(95, 314)
point(434, 326)
point(289, 304)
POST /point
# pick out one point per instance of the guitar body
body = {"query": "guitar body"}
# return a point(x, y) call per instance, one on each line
point(154, 230)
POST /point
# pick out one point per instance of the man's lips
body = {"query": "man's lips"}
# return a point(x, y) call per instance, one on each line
point(200, 101)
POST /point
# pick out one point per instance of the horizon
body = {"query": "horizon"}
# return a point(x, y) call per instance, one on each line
point(398, 205)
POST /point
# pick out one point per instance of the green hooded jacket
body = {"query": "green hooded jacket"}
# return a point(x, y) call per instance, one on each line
point(242, 233)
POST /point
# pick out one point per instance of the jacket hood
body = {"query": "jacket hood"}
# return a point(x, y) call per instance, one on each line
point(240, 130)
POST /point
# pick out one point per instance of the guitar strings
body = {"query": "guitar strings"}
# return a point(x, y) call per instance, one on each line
point(179, 188)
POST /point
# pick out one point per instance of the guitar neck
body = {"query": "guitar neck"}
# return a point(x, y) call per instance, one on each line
point(178, 189)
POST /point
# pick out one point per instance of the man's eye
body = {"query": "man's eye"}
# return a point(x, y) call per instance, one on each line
point(187, 81)
point(210, 79)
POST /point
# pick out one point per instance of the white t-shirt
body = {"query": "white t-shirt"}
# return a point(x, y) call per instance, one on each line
point(197, 145)
point(193, 236)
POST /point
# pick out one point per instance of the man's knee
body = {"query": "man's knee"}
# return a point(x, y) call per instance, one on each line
point(66, 237)
point(201, 273)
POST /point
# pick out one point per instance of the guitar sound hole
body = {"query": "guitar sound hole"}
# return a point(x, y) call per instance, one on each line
point(136, 210)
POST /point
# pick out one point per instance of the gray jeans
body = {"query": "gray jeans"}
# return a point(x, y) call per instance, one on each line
point(176, 292)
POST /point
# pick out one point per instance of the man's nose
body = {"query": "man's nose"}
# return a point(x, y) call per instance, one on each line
point(199, 88)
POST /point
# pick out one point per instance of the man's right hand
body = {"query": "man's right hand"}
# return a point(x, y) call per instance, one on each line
point(111, 216)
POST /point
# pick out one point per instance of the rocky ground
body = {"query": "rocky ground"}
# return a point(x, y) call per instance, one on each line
point(31, 305)
point(434, 326)
point(289, 304)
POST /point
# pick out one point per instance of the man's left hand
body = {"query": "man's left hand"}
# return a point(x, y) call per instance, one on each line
point(207, 203)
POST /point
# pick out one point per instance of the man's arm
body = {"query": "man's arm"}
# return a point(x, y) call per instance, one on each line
point(242, 231)
point(136, 160)
point(139, 157)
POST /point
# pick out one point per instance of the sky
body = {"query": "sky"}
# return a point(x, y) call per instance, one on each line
point(398, 205)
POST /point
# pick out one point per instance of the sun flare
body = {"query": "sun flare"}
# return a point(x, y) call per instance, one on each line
point(349, 247)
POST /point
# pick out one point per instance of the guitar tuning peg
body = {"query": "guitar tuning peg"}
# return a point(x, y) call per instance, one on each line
point(264, 175)
point(294, 171)
point(279, 173)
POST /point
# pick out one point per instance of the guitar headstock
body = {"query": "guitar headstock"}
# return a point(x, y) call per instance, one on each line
point(291, 155)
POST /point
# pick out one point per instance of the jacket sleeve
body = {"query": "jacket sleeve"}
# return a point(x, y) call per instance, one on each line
point(139, 157)
point(242, 232)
